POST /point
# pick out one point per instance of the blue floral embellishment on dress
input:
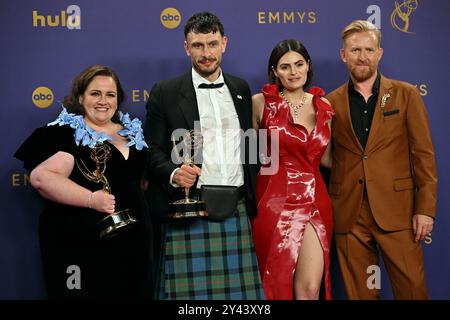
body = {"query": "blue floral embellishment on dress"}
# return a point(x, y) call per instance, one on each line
point(132, 130)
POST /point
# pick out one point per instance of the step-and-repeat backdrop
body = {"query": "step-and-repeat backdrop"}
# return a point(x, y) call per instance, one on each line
point(44, 44)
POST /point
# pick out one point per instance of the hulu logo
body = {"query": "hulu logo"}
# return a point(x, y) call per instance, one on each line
point(70, 19)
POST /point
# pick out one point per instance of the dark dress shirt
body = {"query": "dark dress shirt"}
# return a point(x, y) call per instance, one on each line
point(362, 111)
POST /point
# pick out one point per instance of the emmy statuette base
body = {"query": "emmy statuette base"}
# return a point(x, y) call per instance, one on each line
point(187, 208)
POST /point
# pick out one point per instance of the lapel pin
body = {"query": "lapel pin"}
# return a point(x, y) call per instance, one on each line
point(239, 97)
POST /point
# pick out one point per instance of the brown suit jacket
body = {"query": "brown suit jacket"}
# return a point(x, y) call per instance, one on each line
point(397, 166)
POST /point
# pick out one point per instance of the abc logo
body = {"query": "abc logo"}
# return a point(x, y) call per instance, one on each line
point(170, 18)
point(42, 97)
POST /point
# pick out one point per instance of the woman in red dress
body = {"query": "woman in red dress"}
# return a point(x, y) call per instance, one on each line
point(292, 231)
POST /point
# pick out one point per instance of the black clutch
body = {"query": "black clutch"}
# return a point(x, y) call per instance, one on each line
point(221, 201)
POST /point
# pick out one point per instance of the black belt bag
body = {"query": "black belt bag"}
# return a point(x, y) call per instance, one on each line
point(221, 201)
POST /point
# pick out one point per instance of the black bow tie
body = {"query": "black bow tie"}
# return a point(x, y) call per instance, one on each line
point(210, 86)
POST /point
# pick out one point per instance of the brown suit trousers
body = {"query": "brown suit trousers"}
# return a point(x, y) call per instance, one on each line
point(357, 253)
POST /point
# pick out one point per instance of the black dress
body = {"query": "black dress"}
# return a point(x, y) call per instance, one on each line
point(116, 267)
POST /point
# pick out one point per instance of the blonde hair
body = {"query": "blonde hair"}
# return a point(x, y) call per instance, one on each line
point(360, 26)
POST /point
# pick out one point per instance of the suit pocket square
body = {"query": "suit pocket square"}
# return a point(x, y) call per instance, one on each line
point(390, 113)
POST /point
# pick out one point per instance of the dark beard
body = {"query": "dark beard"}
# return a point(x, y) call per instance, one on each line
point(205, 73)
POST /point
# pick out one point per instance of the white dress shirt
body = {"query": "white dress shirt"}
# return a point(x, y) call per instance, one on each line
point(221, 133)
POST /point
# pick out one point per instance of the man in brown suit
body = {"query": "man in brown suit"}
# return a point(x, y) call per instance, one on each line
point(383, 178)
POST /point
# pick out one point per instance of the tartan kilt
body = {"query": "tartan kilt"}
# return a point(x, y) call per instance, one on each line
point(206, 260)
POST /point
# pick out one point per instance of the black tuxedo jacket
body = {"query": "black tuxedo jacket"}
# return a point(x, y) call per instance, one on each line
point(172, 105)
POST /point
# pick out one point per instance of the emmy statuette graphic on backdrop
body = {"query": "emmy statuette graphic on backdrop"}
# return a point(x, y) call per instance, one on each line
point(188, 208)
point(401, 15)
point(114, 223)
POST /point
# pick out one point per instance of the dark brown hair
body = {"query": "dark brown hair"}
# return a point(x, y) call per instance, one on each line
point(203, 22)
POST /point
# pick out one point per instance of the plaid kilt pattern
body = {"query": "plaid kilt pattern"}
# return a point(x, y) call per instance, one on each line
point(205, 260)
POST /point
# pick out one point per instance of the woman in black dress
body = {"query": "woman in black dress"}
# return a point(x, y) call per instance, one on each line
point(77, 261)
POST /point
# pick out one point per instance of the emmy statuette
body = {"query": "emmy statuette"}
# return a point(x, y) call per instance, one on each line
point(186, 207)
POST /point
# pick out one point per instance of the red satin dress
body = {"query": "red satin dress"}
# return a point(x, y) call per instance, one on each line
point(292, 196)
